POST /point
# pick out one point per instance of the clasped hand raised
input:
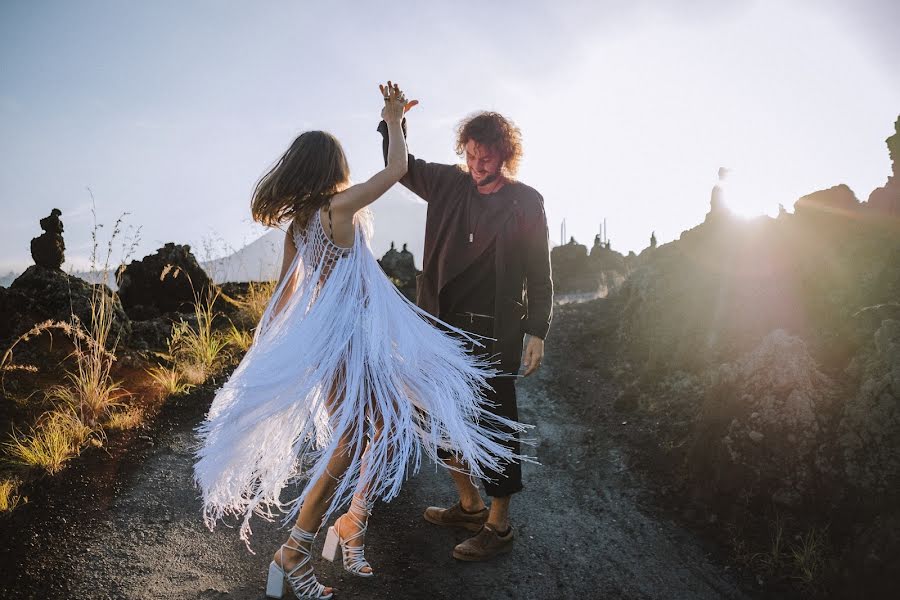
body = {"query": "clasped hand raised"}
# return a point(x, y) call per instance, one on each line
point(395, 102)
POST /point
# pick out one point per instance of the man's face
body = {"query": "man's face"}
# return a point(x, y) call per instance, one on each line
point(483, 162)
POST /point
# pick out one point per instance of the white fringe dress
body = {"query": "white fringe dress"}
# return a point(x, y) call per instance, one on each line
point(343, 329)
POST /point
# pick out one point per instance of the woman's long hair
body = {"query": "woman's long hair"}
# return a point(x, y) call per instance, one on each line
point(312, 170)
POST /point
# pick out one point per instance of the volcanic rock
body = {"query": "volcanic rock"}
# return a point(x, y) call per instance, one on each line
point(48, 249)
point(869, 431)
point(400, 267)
point(42, 293)
point(763, 420)
point(886, 199)
point(165, 281)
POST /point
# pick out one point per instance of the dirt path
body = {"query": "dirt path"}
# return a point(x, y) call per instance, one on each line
point(583, 530)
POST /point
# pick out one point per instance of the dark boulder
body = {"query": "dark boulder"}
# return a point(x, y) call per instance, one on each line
point(165, 281)
point(575, 271)
point(400, 267)
point(152, 334)
point(838, 201)
point(569, 267)
point(41, 293)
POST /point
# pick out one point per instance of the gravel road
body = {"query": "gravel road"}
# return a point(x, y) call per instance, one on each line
point(124, 521)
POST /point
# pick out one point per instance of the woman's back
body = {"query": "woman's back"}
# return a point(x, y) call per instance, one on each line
point(316, 247)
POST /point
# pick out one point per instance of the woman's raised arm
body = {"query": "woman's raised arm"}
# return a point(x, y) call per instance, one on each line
point(356, 197)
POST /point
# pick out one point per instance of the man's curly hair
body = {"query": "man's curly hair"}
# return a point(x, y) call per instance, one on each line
point(494, 131)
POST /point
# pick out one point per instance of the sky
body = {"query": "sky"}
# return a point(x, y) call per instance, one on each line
point(170, 111)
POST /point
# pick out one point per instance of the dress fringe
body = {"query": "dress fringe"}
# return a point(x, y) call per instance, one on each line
point(342, 329)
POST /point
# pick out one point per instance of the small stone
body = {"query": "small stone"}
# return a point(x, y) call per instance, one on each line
point(756, 436)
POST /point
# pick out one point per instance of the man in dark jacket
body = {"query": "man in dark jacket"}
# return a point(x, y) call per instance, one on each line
point(486, 269)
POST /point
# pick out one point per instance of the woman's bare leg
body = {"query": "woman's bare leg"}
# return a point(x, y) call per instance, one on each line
point(318, 497)
point(348, 525)
point(314, 506)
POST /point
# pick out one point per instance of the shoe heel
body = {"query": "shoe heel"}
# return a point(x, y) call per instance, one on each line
point(275, 582)
point(332, 546)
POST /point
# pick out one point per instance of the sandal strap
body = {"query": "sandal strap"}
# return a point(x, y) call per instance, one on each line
point(305, 583)
point(354, 556)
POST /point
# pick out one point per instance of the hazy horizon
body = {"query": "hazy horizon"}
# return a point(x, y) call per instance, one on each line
point(171, 111)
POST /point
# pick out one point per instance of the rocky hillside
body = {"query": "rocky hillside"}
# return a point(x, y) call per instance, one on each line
point(767, 354)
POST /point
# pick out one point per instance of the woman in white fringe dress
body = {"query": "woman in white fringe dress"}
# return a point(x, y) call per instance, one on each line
point(347, 383)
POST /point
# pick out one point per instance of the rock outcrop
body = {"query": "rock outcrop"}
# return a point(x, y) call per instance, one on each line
point(837, 201)
point(576, 271)
point(400, 267)
point(763, 423)
point(165, 281)
point(41, 293)
point(869, 429)
point(886, 199)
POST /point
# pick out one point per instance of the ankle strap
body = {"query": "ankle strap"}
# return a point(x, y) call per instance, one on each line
point(361, 506)
point(301, 535)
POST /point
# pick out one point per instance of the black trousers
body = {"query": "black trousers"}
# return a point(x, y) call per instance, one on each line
point(503, 396)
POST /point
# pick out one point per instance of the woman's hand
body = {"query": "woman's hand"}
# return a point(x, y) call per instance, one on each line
point(395, 102)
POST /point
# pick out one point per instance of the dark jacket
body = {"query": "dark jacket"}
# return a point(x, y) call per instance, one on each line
point(524, 290)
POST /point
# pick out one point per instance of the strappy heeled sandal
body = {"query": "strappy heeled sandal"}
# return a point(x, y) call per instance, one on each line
point(304, 585)
point(353, 556)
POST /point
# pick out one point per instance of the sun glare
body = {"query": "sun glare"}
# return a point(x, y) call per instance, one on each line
point(748, 197)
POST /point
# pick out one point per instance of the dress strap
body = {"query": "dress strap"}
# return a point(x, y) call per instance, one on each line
point(330, 223)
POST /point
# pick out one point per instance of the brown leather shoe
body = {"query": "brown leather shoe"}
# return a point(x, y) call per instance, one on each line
point(455, 516)
point(486, 544)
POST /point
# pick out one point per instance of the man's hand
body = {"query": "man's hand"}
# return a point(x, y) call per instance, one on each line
point(392, 91)
point(533, 356)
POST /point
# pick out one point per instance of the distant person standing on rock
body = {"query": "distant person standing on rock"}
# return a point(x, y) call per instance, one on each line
point(486, 269)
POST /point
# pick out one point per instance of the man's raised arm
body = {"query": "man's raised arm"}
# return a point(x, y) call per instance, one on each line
point(422, 178)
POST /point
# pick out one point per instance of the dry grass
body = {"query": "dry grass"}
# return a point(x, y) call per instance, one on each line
point(9, 494)
point(89, 392)
point(57, 437)
point(808, 555)
point(258, 295)
point(775, 556)
point(78, 334)
point(197, 349)
point(193, 374)
point(128, 418)
point(240, 339)
point(70, 329)
point(194, 350)
point(170, 380)
point(803, 560)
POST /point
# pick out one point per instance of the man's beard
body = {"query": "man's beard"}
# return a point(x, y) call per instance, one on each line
point(488, 180)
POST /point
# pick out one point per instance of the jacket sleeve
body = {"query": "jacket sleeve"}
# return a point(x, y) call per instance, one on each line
point(538, 278)
point(422, 178)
